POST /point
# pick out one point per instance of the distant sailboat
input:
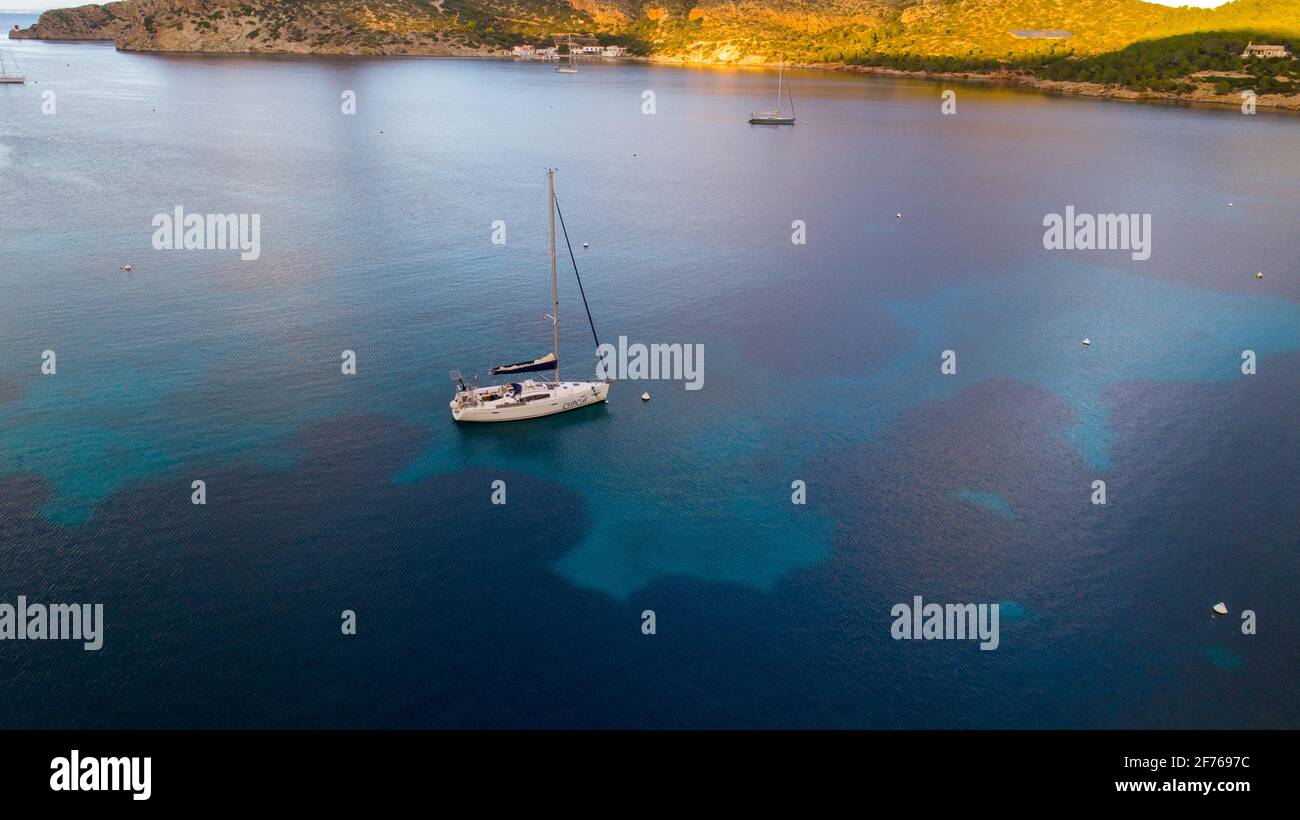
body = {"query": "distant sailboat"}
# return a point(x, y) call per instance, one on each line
point(775, 117)
point(569, 67)
point(5, 75)
point(529, 398)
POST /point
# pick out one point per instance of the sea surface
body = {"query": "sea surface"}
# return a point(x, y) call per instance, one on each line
point(328, 492)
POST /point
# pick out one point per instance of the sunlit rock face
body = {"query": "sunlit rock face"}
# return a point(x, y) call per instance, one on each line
point(89, 22)
point(704, 31)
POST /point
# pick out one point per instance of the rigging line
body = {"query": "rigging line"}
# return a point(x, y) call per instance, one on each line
point(575, 271)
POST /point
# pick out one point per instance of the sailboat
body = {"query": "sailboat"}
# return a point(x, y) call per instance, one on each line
point(532, 398)
point(775, 117)
point(568, 68)
point(5, 76)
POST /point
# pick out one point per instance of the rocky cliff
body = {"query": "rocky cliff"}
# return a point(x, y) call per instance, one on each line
point(83, 23)
point(711, 31)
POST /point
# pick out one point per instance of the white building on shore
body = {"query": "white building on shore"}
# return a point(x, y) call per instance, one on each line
point(531, 52)
point(534, 53)
point(1265, 50)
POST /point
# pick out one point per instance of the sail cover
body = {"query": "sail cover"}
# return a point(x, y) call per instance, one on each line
point(547, 362)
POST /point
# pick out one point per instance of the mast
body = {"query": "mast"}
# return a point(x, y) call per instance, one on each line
point(555, 290)
point(790, 96)
point(780, 75)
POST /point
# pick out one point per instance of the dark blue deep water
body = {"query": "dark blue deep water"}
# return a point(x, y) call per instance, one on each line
point(822, 364)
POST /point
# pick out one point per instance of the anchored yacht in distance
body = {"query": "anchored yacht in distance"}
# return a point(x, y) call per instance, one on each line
point(7, 76)
point(776, 116)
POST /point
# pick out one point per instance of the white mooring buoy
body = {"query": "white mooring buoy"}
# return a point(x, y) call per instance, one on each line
point(1220, 608)
point(585, 245)
point(645, 396)
point(1259, 275)
point(1087, 342)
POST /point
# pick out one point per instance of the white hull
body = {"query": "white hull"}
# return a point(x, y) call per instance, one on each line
point(525, 400)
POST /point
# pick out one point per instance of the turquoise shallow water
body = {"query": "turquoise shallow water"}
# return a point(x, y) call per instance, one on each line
point(992, 502)
point(822, 364)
